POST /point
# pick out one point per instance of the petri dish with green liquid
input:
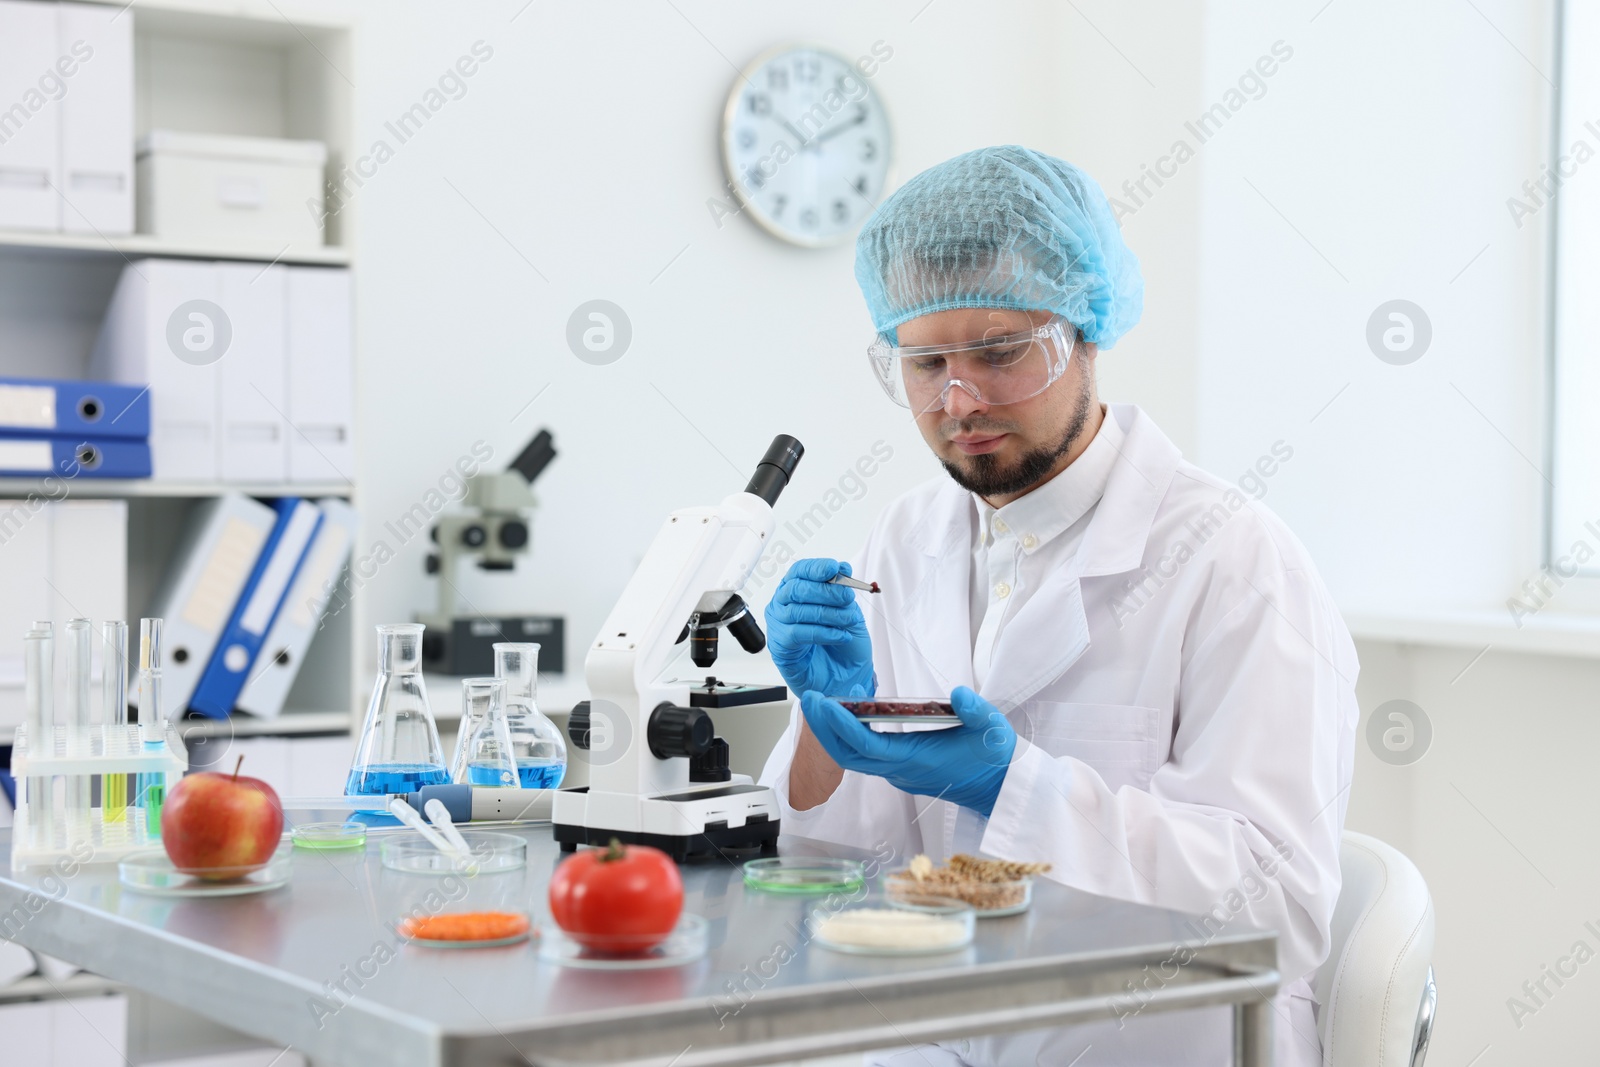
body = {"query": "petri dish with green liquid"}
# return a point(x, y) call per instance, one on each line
point(329, 836)
point(804, 875)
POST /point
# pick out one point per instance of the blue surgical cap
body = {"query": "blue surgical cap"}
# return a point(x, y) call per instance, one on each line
point(1001, 227)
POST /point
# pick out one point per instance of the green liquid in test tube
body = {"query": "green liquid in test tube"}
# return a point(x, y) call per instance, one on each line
point(155, 795)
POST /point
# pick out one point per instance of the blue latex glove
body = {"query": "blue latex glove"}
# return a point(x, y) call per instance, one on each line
point(817, 634)
point(966, 764)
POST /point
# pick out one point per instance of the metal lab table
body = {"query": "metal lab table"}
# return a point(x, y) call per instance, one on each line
point(257, 963)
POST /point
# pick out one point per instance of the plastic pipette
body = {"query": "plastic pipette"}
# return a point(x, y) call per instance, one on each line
point(408, 815)
point(79, 633)
point(114, 701)
point(440, 817)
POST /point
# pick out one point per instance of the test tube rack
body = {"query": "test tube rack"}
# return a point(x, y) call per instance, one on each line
point(95, 751)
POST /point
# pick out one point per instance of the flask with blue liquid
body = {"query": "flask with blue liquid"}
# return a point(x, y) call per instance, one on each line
point(399, 750)
point(485, 758)
point(536, 742)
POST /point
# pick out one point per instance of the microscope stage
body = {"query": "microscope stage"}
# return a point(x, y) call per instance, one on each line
point(731, 815)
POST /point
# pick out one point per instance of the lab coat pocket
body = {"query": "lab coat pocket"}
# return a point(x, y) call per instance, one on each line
point(1120, 741)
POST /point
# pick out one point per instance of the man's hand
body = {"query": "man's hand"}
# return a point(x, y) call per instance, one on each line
point(816, 632)
point(966, 764)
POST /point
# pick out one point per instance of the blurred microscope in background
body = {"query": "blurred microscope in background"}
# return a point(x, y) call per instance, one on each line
point(494, 529)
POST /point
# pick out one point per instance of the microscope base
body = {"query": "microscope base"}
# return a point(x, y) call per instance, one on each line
point(682, 849)
point(656, 817)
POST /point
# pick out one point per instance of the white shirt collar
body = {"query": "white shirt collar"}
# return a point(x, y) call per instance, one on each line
point(1044, 513)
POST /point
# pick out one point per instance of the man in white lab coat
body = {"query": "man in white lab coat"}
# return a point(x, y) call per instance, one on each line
point(1157, 693)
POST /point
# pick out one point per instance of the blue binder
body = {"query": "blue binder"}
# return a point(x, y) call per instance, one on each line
point(54, 407)
point(73, 457)
point(281, 557)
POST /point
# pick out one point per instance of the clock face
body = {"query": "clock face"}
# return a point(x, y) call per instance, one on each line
point(806, 144)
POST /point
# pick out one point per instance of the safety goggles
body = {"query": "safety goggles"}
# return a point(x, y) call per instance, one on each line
point(1002, 369)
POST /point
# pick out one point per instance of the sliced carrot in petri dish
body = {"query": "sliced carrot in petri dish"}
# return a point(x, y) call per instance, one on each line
point(465, 926)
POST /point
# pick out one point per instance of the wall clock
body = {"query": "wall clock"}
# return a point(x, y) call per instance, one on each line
point(806, 142)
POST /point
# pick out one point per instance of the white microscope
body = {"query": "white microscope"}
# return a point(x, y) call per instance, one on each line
point(659, 775)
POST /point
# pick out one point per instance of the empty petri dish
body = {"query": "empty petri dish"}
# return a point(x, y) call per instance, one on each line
point(489, 853)
point(804, 875)
point(329, 836)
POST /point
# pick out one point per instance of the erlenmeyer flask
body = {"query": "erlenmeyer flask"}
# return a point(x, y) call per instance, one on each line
point(399, 748)
point(488, 759)
point(458, 757)
point(536, 742)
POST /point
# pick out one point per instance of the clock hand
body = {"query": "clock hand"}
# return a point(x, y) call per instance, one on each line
point(843, 126)
point(799, 137)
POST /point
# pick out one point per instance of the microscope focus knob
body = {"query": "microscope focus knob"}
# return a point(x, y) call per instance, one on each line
point(474, 536)
point(578, 724)
point(513, 534)
point(675, 731)
point(712, 764)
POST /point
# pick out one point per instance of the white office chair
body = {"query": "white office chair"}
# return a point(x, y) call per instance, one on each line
point(1376, 989)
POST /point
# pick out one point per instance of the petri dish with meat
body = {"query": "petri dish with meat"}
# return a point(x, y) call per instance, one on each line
point(929, 711)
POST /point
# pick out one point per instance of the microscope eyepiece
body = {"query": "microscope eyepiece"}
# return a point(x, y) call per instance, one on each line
point(775, 468)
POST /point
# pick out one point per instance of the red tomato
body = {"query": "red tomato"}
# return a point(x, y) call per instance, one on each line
point(621, 899)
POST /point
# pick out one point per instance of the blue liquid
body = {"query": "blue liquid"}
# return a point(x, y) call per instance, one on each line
point(374, 819)
point(538, 774)
point(531, 774)
point(487, 774)
point(379, 779)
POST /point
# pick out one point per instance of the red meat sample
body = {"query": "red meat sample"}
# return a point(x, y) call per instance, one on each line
point(908, 708)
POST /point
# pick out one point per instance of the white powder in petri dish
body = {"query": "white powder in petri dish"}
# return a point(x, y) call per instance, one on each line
point(891, 928)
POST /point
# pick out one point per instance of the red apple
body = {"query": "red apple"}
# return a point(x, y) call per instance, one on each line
point(219, 826)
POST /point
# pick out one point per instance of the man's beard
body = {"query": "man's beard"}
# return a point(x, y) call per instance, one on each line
point(988, 479)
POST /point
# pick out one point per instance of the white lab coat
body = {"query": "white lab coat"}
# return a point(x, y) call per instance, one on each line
point(1186, 742)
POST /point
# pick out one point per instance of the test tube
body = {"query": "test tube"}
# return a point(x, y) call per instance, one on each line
point(48, 691)
point(114, 700)
point(36, 657)
point(152, 726)
point(79, 634)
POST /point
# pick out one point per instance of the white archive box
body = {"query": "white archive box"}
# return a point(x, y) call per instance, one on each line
point(252, 376)
point(66, 128)
point(155, 298)
point(276, 405)
point(321, 376)
point(249, 190)
point(30, 128)
point(96, 118)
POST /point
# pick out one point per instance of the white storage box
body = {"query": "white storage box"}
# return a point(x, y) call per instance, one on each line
point(256, 191)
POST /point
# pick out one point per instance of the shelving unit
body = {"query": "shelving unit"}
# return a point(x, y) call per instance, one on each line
point(131, 246)
point(259, 68)
point(39, 987)
point(116, 488)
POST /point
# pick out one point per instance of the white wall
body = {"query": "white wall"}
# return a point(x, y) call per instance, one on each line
point(1377, 167)
point(578, 165)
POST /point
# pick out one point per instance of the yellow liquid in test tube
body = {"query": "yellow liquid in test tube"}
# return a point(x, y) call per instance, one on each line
point(114, 788)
